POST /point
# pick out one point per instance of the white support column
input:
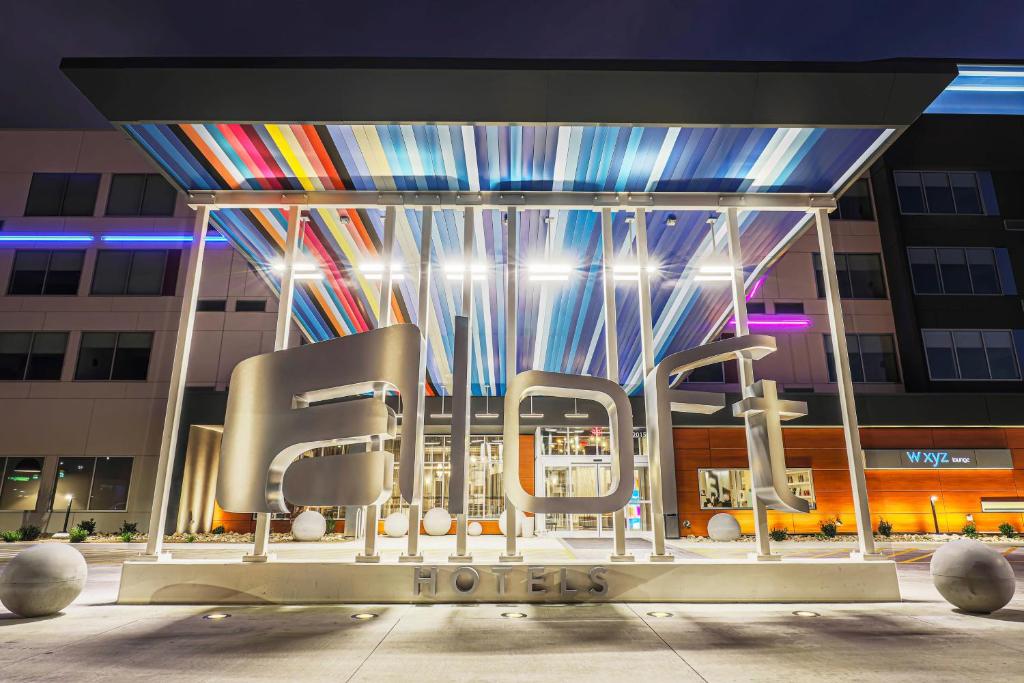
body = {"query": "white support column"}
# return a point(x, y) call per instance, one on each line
point(461, 520)
point(611, 347)
point(176, 391)
point(511, 553)
point(372, 512)
point(844, 381)
point(746, 366)
point(658, 553)
point(292, 238)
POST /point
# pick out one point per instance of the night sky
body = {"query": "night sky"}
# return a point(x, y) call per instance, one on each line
point(36, 34)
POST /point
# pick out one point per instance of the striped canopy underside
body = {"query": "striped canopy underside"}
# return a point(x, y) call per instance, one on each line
point(561, 324)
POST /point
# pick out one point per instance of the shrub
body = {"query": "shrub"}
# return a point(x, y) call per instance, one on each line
point(126, 536)
point(969, 530)
point(1006, 529)
point(884, 528)
point(128, 528)
point(779, 533)
point(77, 535)
point(191, 538)
point(89, 525)
point(331, 520)
point(218, 530)
point(11, 536)
point(30, 532)
point(828, 528)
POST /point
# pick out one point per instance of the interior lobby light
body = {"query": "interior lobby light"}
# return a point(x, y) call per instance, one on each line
point(456, 271)
point(544, 271)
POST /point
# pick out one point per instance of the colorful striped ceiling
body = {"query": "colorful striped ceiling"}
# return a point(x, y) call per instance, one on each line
point(983, 89)
point(560, 324)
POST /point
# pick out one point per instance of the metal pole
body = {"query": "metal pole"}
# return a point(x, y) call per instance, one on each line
point(176, 390)
point(511, 366)
point(372, 512)
point(67, 513)
point(746, 367)
point(851, 429)
point(658, 553)
point(611, 347)
point(293, 236)
point(935, 515)
point(461, 520)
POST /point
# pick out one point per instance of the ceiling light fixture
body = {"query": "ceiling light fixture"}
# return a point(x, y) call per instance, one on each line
point(444, 414)
point(375, 270)
point(457, 271)
point(630, 272)
point(297, 267)
point(576, 414)
point(532, 415)
point(487, 414)
point(549, 272)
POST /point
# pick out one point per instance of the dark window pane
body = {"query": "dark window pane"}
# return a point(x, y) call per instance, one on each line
point(64, 273)
point(111, 276)
point(865, 273)
point(939, 348)
point(29, 273)
point(47, 359)
point(908, 189)
point(46, 194)
point(970, 354)
point(925, 271)
point(211, 305)
point(131, 362)
point(819, 282)
point(110, 484)
point(125, 198)
point(14, 348)
point(852, 352)
point(938, 193)
point(159, 197)
point(755, 307)
point(1002, 360)
point(147, 273)
point(251, 305)
point(21, 484)
point(878, 353)
point(96, 355)
point(80, 197)
point(965, 192)
point(955, 277)
point(789, 307)
point(708, 373)
point(855, 205)
point(984, 275)
point(843, 276)
point(74, 475)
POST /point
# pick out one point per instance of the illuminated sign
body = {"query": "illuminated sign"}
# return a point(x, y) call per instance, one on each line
point(934, 458)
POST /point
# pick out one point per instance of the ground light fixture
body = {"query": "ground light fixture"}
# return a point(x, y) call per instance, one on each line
point(576, 414)
point(364, 616)
point(659, 615)
point(216, 616)
point(805, 613)
point(514, 615)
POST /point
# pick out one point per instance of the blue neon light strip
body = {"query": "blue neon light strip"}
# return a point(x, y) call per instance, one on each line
point(159, 238)
point(982, 89)
point(26, 239)
point(49, 238)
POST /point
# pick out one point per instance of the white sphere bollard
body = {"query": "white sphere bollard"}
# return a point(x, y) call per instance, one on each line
point(396, 524)
point(520, 522)
point(973, 576)
point(723, 527)
point(42, 580)
point(309, 526)
point(475, 529)
point(437, 522)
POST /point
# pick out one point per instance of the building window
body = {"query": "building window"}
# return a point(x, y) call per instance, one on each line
point(20, 487)
point(120, 356)
point(140, 194)
point(721, 489)
point(860, 276)
point(971, 355)
point(62, 194)
point(46, 272)
point(938, 192)
point(92, 484)
point(144, 272)
point(707, 374)
point(32, 355)
point(789, 307)
point(251, 305)
point(872, 358)
point(855, 204)
point(211, 305)
point(756, 307)
point(954, 270)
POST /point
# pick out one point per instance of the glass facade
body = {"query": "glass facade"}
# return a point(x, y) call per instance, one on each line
point(20, 487)
point(730, 489)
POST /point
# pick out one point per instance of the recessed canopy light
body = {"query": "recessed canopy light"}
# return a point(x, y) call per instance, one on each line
point(298, 267)
point(805, 613)
point(309, 276)
point(457, 271)
point(514, 615)
point(545, 271)
point(630, 271)
point(216, 616)
point(375, 270)
point(670, 220)
point(659, 615)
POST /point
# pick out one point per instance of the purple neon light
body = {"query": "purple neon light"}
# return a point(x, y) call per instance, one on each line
point(781, 322)
point(753, 290)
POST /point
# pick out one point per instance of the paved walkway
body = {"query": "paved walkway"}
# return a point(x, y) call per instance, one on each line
point(919, 639)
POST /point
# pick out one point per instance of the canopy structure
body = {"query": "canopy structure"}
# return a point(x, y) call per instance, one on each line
point(557, 140)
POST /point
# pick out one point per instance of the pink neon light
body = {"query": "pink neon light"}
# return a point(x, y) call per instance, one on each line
point(778, 321)
point(753, 290)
